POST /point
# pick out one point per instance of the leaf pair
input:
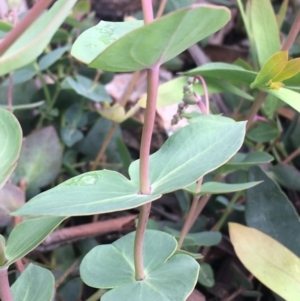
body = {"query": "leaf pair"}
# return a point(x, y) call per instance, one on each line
point(276, 69)
point(186, 156)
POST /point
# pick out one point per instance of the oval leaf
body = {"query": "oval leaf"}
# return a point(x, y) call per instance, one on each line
point(269, 210)
point(90, 193)
point(35, 283)
point(35, 39)
point(11, 139)
point(171, 92)
point(152, 44)
point(216, 187)
point(271, 69)
point(291, 69)
point(264, 257)
point(28, 235)
point(98, 269)
point(40, 159)
point(224, 71)
point(290, 97)
point(264, 29)
point(192, 152)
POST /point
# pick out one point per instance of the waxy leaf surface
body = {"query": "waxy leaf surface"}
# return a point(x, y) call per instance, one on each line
point(268, 260)
point(192, 152)
point(34, 284)
point(171, 92)
point(264, 29)
point(186, 156)
point(216, 187)
point(11, 139)
point(271, 69)
point(152, 44)
point(28, 235)
point(290, 97)
point(90, 193)
point(112, 266)
point(224, 71)
point(40, 159)
point(35, 39)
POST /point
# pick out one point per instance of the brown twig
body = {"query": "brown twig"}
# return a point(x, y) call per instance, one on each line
point(293, 155)
point(68, 235)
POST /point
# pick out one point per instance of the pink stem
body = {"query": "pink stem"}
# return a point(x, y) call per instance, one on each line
point(5, 292)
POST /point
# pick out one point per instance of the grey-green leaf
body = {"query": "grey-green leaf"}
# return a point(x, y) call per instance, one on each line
point(206, 275)
point(40, 159)
point(11, 139)
point(28, 235)
point(152, 44)
point(90, 193)
point(270, 211)
point(34, 40)
point(224, 71)
point(192, 152)
point(34, 284)
point(216, 187)
point(112, 266)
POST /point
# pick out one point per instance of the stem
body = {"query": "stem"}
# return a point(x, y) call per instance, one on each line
point(147, 11)
point(104, 145)
point(153, 77)
point(21, 27)
point(161, 8)
point(152, 87)
point(5, 292)
point(255, 108)
point(292, 34)
point(292, 156)
point(227, 212)
point(138, 242)
point(190, 218)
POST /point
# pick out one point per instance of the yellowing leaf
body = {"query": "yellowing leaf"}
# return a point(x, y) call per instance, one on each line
point(268, 260)
point(271, 69)
point(291, 69)
point(117, 113)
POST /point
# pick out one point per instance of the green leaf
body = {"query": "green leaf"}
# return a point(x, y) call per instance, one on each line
point(21, 76)
point(224, 71)
point(34, 40)
point(192, 152)
point(40, 159)
point(90, 193)
point(264, 29)
point(35, 283)
point(271, 105)
point(155, 43)
point(291, 69)
point(288, 96)
point(50, 58)
point(87, 88)
point(70, 135)
point(206, 275)
point(271, 69)
point(244, 161)
point(264, 257)
point(176, 4)
point(112, 266)
point(217, 187)
point(269, 210)
point(262, 132)
point(171, 92)
point(28, 235)
point(287, 176)
point(108, 191)
point(11, 139)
